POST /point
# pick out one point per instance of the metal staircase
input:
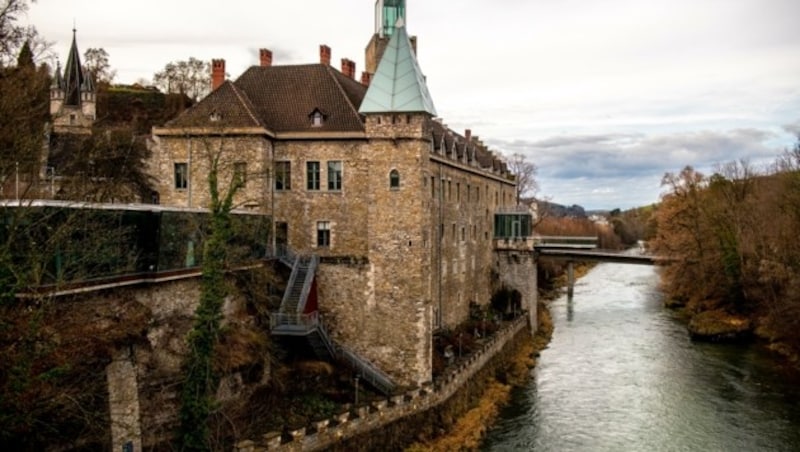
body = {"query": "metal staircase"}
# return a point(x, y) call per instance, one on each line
point(293, 320)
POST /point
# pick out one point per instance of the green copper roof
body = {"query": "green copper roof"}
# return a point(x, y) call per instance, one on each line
point(398, 85)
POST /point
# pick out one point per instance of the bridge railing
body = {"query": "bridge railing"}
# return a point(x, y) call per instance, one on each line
point(555, 241)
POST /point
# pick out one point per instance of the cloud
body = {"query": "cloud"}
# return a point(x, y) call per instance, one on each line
point(793, 128)
point(624, 170)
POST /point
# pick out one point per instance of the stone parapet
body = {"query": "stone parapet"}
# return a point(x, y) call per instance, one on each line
point(361, 419)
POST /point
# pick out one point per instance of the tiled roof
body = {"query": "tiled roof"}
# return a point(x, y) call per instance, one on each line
point(227, 106)
point(282, 99)
point(285, 96)
point(484, 157)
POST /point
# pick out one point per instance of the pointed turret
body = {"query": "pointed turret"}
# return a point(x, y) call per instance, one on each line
point(73, 75)
point(398, 85)
point(72, 95)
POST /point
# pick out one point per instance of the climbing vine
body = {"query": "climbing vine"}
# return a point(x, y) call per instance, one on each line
point(197, 395)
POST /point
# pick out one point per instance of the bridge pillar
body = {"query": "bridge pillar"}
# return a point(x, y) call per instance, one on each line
point(123, 402)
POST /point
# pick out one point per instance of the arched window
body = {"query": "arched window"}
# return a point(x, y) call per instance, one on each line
point(394, 180)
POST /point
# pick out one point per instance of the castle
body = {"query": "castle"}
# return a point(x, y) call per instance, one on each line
point(73, 96)
point(397, 209)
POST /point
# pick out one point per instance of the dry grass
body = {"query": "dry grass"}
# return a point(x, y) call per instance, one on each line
point(470, 428)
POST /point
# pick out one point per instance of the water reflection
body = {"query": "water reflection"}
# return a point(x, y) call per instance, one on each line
point(622, 374)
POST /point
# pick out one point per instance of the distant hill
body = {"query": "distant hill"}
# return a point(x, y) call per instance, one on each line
point(551, 209)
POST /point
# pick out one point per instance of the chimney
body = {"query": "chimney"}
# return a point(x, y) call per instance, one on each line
point(325, 55)
point(217, 73)
point(265, 57)
point(468, 134)
point(349, 68)
point(366, 77)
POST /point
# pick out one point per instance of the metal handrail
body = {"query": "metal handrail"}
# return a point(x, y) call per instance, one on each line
point(323, 334)
point(309, 322)
point(369, 371)
point(565, 241)
point(290, 284)
point(310, 270)
point(283, 252)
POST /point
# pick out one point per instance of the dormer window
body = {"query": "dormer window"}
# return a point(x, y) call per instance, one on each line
point(215, 116)
point(317, 118)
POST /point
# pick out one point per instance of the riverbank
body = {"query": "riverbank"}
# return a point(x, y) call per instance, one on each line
point(620, 374)
point(707, 322)
point(470, 429)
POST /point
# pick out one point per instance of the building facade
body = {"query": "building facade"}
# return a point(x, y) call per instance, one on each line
point(398, 207)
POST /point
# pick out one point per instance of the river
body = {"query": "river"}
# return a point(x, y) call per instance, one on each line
point(621, 374)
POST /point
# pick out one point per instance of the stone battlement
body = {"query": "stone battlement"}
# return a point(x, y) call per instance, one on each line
point(353, 421)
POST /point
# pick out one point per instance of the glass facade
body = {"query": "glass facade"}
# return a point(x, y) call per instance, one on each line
point(56, 245)
point(513, 225)
point(388, 12)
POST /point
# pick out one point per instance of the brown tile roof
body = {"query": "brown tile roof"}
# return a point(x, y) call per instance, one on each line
point(227, 106)
point(285, 96)
point(282, 99)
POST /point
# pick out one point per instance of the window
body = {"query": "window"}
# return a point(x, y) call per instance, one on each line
point(323, 234)
point(240, 172)
point(312, 175)
point(317, 119)
point(181, 176)
point(335, 175)
point(283, 176)
point(394, 179)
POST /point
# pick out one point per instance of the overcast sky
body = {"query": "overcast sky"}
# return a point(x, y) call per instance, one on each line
point(605, 96)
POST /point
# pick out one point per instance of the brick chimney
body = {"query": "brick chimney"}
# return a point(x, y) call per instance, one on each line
point(325, 55)
point(468, 134)
point(366, 77)
point(349, 68)
point(217, 73)
point(265, 57)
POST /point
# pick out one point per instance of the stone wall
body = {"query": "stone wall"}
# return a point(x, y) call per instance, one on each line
point(196, 151)
point(355, 421)
point(462, 202)
point(144, 377)
point(515, 263)
point(401, 261)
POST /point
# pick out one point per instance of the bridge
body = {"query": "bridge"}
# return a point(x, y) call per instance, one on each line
point(571, 249)
point(585, 249)
point(587, 255)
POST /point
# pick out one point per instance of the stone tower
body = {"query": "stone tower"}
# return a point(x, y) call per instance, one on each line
point(398, 113)
point(73, 96)
point(387, 13)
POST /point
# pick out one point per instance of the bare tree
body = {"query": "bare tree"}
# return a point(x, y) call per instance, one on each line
point(13, 35)
point(96, 63)
point(191, 77)
point(525, 172)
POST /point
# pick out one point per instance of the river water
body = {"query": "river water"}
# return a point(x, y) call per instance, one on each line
point(621, 374)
